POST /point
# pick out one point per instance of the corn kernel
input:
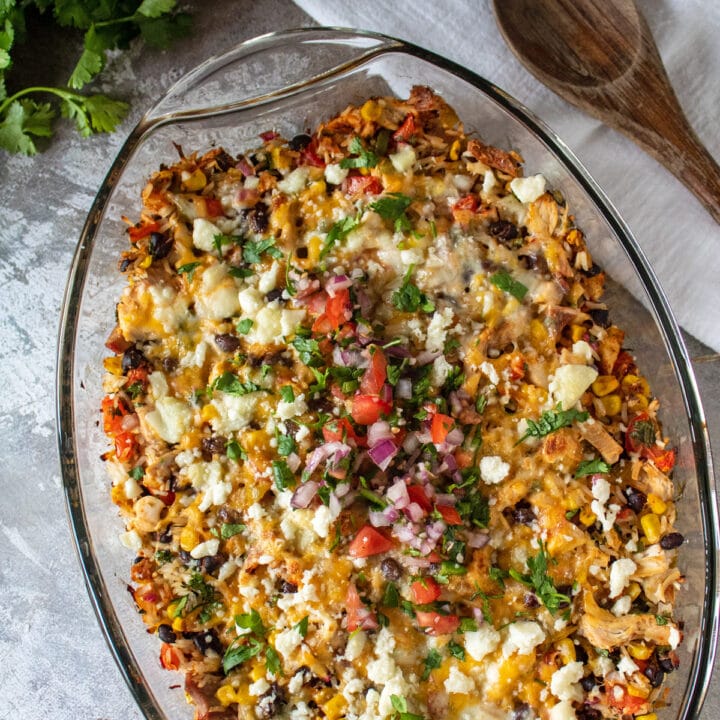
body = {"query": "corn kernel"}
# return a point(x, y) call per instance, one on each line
point(208, 413)
point(633, 590)
point(280, 161)
point(577, 332)
point(178, 624)
point(612, 404)
point(226, 695)
point(257, 672)
point(647, 716)
point(188, 538)
point(639, 651)
point(146, 262)
point(567, 651)
point(113, 365)
point(538, 330)
point(656, 504)
point(637, 692)
point(314, 247)
point(587, 517)
point(335, 707)
point(455, 150)
point(637, 403)
point(317, 189)
point(604, 385)
point(651, 527)
point(194, 181)
point(370, 111)
point(635, 385)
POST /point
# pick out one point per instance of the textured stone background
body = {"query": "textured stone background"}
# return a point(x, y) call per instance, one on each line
point(55, 662)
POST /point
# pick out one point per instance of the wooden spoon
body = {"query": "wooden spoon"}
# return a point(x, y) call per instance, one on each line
point(600, 56)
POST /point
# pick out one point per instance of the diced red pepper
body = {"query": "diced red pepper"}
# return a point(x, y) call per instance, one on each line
point(624, 365)
point(625, 702)
point(113, 411)
point(640, 438)
point(406, 130)
point(125, 446)
point(469, 202)
point(367, 184)
point(169, 657)
point(417, 495)
point(367, 409)
point(369, 541)
point(376, 374)
point(440, 427)
point(309, 155)
point(358, 616)
point(338, 310)
point(437, 624)
point(213, 207)
point(339, 431)
point(137, 232)
point(425, 591)
point(449, 514)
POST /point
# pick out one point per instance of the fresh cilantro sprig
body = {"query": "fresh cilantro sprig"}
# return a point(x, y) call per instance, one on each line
point(393, 207)
point(552, 420)
point(592, 467)
point(230, 383)
point(338, 232)
point(254, 249)
point(401, 709)
point(409, 298)
point(365, 158)
point(540, 582)
point(505, 281)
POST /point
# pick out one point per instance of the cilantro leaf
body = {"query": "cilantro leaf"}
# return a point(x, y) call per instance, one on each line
point(155, 8)
point(231, 384)
point(190, 269)
point(287, 393)
point(591, 467)
point(91, 62)
point(302, 626)
point(253, 249)
point(23, 119)
point(160, 32)
point(338, 232)
point(243, 327)
point(391, 597)
point(286, 445)
point(552, 420)
point(93, 113)
point(137, 473)
point(228, 530)
point(234, 451)
point(272, 661)
point(456, 650)
point(365, 158)
point(237, 654)
point(409, 298)
point(283, 475)
point(540, 582)
point(251, 621)
point(392, 207)
point(431, 662)
point(504, 281)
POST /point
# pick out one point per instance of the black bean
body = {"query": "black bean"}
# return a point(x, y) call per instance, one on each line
point(286, 587)
point(224, 161)
point(600, 317)
point(530, 600)
point(208, 640)
point(667, 664)
point(672, 541)
point(390, 569)
point(187, 559)
point(169, 364)
point(503, 230)
point(258, 218)
point(529, 261)
point(227, 342)
point(166, 535)
point(585, 712)
point(654, 674)
point(166, 634)
point(301, 253)
point(125, 264)
point(523, 513)
point(214, 445)
point(160, 245)
point(210, 563)
point(588, 683)
point(635, 499)
point(229, 515)
point(522, 712)
point(299, 142)
point(132, 358)
point(291, 428)
point(594, 270)
point(274, 294)
point(271, 702)
point(581, 654)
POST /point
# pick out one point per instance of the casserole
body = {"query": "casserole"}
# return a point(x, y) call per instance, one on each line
point(203, 110)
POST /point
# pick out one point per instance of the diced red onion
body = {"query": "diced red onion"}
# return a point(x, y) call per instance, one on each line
point(378, 431)
point(450, 463)
point(386, 394)
point(456, 406)
point(303, 496)
point(363, 301)
point(435, 530)
point(293, 461)
point(477, 614)
point(398, 351)
point(411, 443)
point(339, 282)
point(337, 449)
point(245, 167)
point(268, 135)
point(383, 453)
point(130, 422)
point(391, 513)
point(477, 539)
point(398, 495)
point(415, 563)
point(425, 357)
point(334, 505)
point(378, 519)
point(405, 533)
point(342, 489)
point(404, 388)
point(446, 499)
point(455, 437)
point(414, 512)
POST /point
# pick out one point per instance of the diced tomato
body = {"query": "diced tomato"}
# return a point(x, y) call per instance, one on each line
point(469, 202)
point(449, 514)
point(368, 184)
point(309, 155)
point(367, 409)
point(213, 207)
point(341, 430)
point(440, 427)
point(138, 374)
point(358, 616)
point(625, 514)
point(169, 657)
point(125, 446)
point(376, 374)
point(369, 541)
point(417, 495)
point(517, 367)
point(433, 557)
point(113, 411)
point(137, 232)
point(625, 702)
point(463, 458)
point(425, 591)
point(337, 311)
point(437, 624)
point(406, 130)
point(640, 438)
point(116, 342)
point(623, 365)
point(168, 498)
point(664, 460)
point(316, 302)
point(268, 135)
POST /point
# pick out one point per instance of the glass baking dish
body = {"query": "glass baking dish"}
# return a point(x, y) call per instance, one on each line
point(288, 82)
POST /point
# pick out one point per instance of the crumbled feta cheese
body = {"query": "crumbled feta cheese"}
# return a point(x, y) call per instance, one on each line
point(403, 159)
point(489, 182)
point(523, 636)
point(259, 687)
point(601, 493)
point(626, 666)
point(251, 301)
point(267, 281)
point(493, 469)
point(463, 183)
point(355, 644)
point(205, 549)
point(481, 642)
point(169, 308)
point(287, 642)
point(227, 569)
point(132, 489)
point(569, 383)
point(437, 330)
point(621, 606)
point(286, 410)
point(207, 478)
point(335, 174)
point(490, 372)
point(528, 189)
point(562, 711)
point(170, 419)
point(256, 511)
point(322, 519)
point(440, 370)
point(565, 682)
point(582, 350)
point(620, 572)
point(131, 540)
point(294, 181)
point(458, 682)
point(234, 412)
point(384, 671)
point(196, 357)
point(302, 433)
point(218, 295)
point(673, 638)
point(158, 384)
point(273, 324)
point(204, 233)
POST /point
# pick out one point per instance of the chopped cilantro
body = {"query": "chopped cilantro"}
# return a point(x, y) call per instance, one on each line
point(190, 269)
point(253, 250)
point(540, 582)
point(219, 240)
point(467, 624)
point(591, 467)
point(287, 393)
point(302, 626)
point(661, 620)
point(134, 389)
point(365, 158)
point(272, 661)
point(240, 272)
point(504, 281)
point(243, 327)
point(431, 662)
point(552, 420)
point(338, 232)
point(391, 597)
point(228, 530)
point(163, 556)
point(235, 451)
point(498, 575)
point(409, 298)
point(286, 445)
point(251, 621)
point(236, 654)
point(392, 207)
point(283, 476)
point(456, 650)
point(474, 508)
point(230, 383)
point(308, 349)
point(137, 473)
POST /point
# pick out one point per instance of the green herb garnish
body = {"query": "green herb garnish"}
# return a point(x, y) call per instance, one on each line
point(409, 298)
point(365, 158)
point(243, 327)
point(392, 207)
point(283, 476)
point(228, 530)
point(190, 269)
point(431, 662)
point(504, 281)
point(591, 467)
point(230, 383)
point(540, 582)
point(552, 420)
point(338, 232)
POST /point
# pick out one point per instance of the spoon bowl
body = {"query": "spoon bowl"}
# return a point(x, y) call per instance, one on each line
point(599, 55)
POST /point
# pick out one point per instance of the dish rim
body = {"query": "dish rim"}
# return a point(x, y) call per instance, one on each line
point(701, 671)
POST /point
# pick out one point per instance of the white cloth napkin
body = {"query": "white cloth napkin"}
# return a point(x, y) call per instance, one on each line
point(680, 239)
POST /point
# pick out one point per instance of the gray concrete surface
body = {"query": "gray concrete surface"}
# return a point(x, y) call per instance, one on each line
point(55, 661)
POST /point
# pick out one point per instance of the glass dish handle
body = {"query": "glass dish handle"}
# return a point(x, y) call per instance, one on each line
point(264, 68)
